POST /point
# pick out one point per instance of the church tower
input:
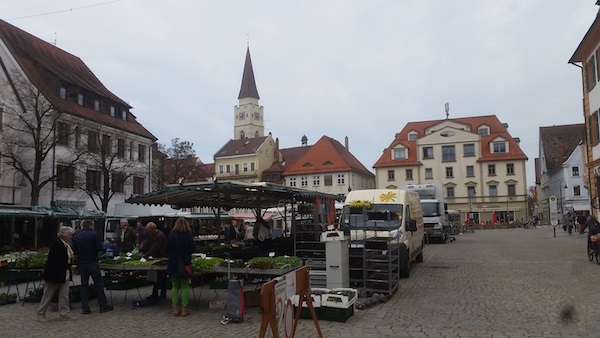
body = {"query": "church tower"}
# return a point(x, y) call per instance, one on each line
point(249, 118)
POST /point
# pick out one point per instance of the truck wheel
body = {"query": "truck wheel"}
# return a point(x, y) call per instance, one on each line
point(419, 258)
point(405, 266)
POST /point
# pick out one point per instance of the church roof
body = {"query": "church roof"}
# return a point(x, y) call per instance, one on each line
point(248, 88)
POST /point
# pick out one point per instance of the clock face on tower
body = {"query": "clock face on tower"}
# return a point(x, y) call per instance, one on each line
point(241, 115)
point(257, 116)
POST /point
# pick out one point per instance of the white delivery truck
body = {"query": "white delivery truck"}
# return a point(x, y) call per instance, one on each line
point(392, 213)
point(434, 210)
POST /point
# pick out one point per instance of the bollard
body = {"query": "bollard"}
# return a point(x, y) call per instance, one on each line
point(554, 229)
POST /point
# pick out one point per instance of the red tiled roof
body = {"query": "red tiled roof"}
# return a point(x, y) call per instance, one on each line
point(327, 155)
point(289, 155)
point(47, 65)
point(245, 146)
point(497, 129)
point(559, 142)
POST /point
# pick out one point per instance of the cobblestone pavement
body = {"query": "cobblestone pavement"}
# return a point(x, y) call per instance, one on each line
point(491, 283)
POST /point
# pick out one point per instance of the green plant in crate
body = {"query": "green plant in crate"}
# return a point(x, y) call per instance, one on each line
point(207, 263)
point(7, 298)
point(137, 263)
point(348, 293)
point(38, 261)
point(262, 263)
point(291, 260)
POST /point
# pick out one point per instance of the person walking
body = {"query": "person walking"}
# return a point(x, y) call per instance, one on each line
point(179, 248)
point(59, 262)
point(570, 223)
point(86, 246)
point(155, 248)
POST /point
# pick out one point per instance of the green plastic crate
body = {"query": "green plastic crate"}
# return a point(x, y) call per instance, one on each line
point(305, 312)
point(336, 314)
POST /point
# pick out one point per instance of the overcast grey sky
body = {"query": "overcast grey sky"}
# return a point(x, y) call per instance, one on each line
point(361, 69)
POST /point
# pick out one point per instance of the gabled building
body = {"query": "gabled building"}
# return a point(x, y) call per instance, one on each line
point(90, 123)
point(479, 164)
point(586, 58)
point(561, 170)
point(328, 167)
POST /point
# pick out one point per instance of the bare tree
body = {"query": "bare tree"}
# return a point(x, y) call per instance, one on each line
point(108, 169)
point(181, 164)
point(30, 133)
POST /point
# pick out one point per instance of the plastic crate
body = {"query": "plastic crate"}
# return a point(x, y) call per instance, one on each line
point(316, 300)
point(305, 312)
point(339, 301)
point(336, 314)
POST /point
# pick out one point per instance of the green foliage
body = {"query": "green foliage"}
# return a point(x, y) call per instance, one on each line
point(206, 263)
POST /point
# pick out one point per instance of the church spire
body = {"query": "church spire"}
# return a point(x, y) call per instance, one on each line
point(248, 88)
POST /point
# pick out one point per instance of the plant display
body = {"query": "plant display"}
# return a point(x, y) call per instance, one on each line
point(347, 293)
point(7, 298)
point(262, 263)
point(206, 263)
point(119, 259)
point(137, 263)
point(361, 204)
point(36, 260)
point(291, 260)
point(233, 263)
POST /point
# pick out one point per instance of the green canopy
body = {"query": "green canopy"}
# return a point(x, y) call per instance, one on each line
point(228, 195)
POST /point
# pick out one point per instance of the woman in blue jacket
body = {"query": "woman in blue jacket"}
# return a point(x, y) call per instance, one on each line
point(180, 246)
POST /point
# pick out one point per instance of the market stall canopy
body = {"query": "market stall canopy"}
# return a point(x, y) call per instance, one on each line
point(251, 217)
point(228, 195)
point(21, 211)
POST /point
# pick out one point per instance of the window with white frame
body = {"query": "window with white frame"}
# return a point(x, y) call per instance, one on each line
point(245, 167)
point(341, 178)
point(449, 172)
point(97, 105)
point(292, 181)
point(227, 168)
point(400, 154)
point(413, 136)
point(575, 171)
point(80, 99)
point(304, 181)
point(221, 169)
point(576, 190)
point(448, 154)
point(63, 92)
point(252, 166)
point(409, 174)
point(512, 190)
point(316, 180)
point(450, 191)
point(499, 147)
point(391, 175)
point(471, 191)
point(428, 173)
point(493, 190)
point(470, 171)
point(427, 153)
point(491, 170)
point(113, 111)
point(510, 168)
point(484, 131)
point(469, 150)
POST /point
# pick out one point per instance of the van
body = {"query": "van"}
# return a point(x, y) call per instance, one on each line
point(391, 213)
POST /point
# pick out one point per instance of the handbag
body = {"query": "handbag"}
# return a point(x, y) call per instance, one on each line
point(183, 271)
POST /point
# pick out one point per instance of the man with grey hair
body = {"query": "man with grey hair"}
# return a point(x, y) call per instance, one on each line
point(87, 245)
point(60, 259)
point(125, 237)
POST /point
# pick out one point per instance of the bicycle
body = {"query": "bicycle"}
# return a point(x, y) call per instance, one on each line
point(594, 250)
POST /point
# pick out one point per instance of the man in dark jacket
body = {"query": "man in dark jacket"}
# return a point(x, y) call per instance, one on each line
point(155, 248)
point(87, 245)
point(125, 237)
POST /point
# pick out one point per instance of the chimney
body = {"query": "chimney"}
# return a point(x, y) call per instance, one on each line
point(346, 143)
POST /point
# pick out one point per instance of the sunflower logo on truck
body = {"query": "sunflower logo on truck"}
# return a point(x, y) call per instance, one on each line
point(389, 196)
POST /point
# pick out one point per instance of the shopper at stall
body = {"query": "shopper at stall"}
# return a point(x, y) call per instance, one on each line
point(59, 262)
point(125, 237)
point(86, 246)
point(262, 233)
point(140, 236)
point(179, 248)
point(155, 248)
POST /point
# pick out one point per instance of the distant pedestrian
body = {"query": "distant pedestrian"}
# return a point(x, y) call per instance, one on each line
point(570, 223)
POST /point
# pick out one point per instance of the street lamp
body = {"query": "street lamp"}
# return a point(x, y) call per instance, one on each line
point(561, 196)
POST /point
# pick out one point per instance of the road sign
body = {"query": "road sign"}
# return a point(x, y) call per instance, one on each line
point(553, 210)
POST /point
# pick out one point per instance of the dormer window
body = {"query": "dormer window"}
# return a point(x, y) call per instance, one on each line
point(63, 92)
point(499, 147)
point(484, 131)
point(80, 99)
point(413, 136)
point(97, 105)
point(124, 115)
point(113, 111)
point(399, 154)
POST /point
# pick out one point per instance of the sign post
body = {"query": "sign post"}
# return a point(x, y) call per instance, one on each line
point(553, 213)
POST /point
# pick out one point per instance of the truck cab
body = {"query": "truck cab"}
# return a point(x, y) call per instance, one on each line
point(392, 213)
point(434, 210)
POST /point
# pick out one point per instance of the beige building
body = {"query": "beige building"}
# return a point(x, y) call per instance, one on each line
point(478, 163)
